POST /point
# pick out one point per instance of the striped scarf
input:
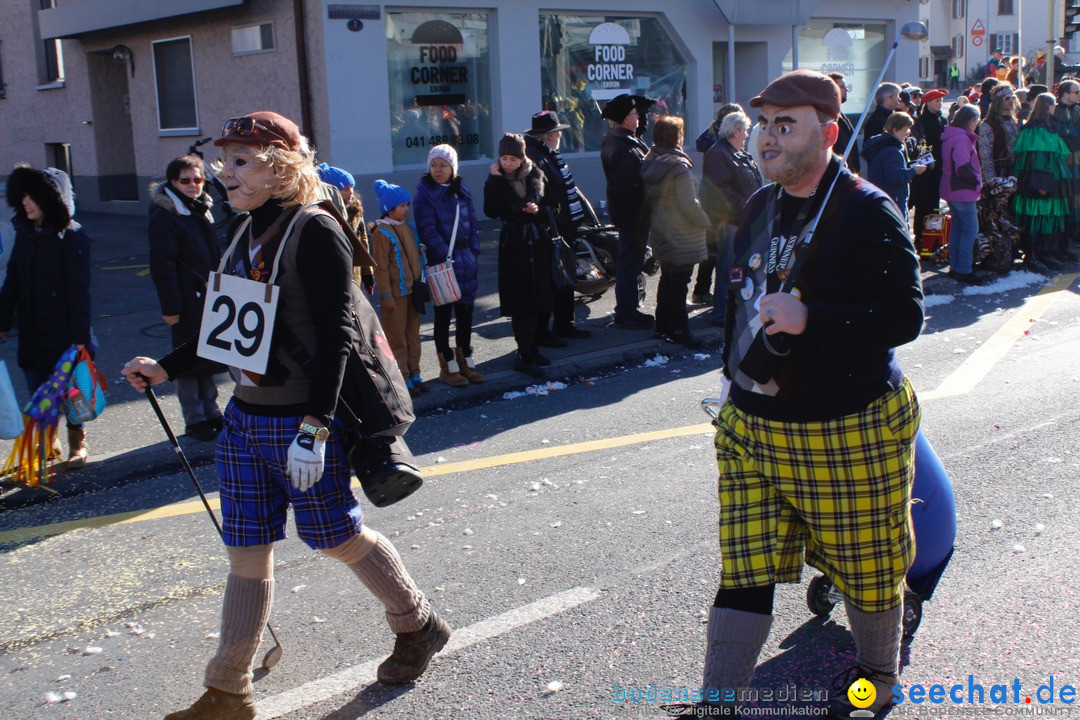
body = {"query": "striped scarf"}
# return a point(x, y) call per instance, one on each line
point(573, 199)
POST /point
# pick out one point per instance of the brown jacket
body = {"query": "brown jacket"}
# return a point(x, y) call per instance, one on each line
point(397, 260)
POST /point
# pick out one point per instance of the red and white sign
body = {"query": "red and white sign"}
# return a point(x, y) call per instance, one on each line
point(976, 40)
point(978, 28)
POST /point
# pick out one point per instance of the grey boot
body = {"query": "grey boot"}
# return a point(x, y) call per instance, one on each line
point(735, 639)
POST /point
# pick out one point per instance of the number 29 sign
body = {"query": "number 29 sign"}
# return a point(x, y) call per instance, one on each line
point(237, 322)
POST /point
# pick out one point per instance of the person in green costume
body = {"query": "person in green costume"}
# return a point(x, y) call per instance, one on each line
point(1039, 205)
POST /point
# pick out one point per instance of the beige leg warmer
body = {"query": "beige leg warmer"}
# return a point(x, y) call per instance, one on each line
point(249, 595)
point(375, 560)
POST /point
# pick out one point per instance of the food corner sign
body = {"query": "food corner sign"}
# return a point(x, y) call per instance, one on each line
point(837, 44)
point(439, 75)
point(609, 69)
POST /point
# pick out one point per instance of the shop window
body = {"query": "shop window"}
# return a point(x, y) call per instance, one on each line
point(854, 48)
point(174, 76)
point(253, 39)
point(586, 60)
point(440, 84)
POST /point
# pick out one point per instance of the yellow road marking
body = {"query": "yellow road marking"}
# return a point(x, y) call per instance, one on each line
point(125, 267)
point(196, 506)
point(143, 273)
point(964, 379)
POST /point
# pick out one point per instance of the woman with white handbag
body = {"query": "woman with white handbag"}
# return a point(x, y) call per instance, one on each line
point(446, 223)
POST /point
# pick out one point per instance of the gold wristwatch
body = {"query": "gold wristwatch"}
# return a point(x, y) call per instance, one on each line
point(322, 434)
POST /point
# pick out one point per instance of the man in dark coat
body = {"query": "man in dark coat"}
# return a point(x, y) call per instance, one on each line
point(846, 128)
point(542, 146)
point(621, 153)
point(925, 188)
point(183, 252)
point(887, 97)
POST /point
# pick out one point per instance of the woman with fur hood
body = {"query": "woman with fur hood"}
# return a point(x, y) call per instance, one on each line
point(183, 252)
point(514, 193)
point(677, 227)
point(47, 288)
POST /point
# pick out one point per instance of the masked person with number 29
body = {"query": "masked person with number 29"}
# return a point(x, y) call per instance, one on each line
point(281, 444)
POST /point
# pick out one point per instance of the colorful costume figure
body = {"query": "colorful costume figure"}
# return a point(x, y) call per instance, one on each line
point(1039, 207)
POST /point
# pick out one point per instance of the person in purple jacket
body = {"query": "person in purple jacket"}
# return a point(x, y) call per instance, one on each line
point(441, 197)
point(961, 182)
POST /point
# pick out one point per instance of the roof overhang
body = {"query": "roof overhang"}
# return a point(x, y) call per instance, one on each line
point(75, 19)
point(773, 12)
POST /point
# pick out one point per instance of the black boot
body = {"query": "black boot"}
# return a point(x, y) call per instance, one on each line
point(525, 363)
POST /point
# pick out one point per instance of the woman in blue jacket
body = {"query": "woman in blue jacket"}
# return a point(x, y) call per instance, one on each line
point(888, 166)
point(442, 201)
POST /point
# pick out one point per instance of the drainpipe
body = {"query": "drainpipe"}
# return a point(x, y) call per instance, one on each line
point(794, 47)
point(302, 71)
point(730, 79)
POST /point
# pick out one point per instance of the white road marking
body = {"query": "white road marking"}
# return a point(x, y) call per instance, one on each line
point(350, 680)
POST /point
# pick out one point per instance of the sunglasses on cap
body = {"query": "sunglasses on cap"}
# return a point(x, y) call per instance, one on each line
point(246, 126)
point(189, 181)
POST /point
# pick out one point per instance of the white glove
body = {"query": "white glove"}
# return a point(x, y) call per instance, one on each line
point(306, 458)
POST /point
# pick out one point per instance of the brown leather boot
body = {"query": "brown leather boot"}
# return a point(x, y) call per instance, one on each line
point(56, 451)
point(450, 373)
point(77, 453)
point(218, 705)
point(413, 651)
point(468, 367)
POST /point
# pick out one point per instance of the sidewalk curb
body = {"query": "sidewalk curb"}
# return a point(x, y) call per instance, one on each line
point(108, 471)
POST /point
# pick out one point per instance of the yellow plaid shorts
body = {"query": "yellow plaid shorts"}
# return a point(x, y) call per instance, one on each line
point(838, 491)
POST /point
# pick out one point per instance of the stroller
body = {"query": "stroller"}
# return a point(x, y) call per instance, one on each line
point(933, 515)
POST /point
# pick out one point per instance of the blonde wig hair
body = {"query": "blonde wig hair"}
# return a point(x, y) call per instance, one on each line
point(298, 180)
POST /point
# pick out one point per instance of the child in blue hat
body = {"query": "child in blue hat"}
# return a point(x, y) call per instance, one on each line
point(399, 280)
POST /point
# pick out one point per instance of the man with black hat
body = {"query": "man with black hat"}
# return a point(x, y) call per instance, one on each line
point(815, 443)
point(542, 146)
point(621, 153)
point(845, 126)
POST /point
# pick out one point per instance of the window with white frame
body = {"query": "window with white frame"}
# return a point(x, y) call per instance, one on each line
point(250, 39)
point(958, 46)
point(174, 78)
point(959, 9)
point(1005, 42)
point(52, 69)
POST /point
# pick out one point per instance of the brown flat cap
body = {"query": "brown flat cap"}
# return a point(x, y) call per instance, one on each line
point(801, 87)
point(263, 128)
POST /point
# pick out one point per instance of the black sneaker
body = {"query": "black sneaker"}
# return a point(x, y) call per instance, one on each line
point(1034, 266)
point(529, 366)
point(840, 705)
point(702, 298)
point(541, 360)
point(218, 705)
point(203, 431)
point(969, 278)
point(413, 651)
point(217, 423)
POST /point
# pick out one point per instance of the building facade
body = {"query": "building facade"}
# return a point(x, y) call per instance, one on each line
point(113, 89)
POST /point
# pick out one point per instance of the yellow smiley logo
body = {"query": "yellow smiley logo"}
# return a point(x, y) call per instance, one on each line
point(862, 693)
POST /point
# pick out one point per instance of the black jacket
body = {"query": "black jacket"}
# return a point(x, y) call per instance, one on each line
point(48, 288)
point(842, 139)
point(875, 124)
point(729, 178)
point(526, 280)
point(861, 284)
point(183, 252)
point(554, 185)
point(621, 154)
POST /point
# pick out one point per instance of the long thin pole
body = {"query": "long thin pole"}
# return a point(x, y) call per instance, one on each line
point(1050, 42)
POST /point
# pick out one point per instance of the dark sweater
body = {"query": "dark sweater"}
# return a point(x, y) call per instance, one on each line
point(861, 284)
point(324, 264)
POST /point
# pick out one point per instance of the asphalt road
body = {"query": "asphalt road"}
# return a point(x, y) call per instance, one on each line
point(572, 572)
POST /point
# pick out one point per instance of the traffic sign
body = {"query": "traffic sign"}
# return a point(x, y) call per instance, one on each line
point(976, 40)
point(978, 28)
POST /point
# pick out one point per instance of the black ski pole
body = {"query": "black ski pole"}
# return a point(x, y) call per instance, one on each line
point(273, 655)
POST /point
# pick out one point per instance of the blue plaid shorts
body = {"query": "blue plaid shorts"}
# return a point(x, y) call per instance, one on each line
point(252, 459)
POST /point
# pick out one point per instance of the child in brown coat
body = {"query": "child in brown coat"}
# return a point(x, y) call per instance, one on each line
point(399, 273)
